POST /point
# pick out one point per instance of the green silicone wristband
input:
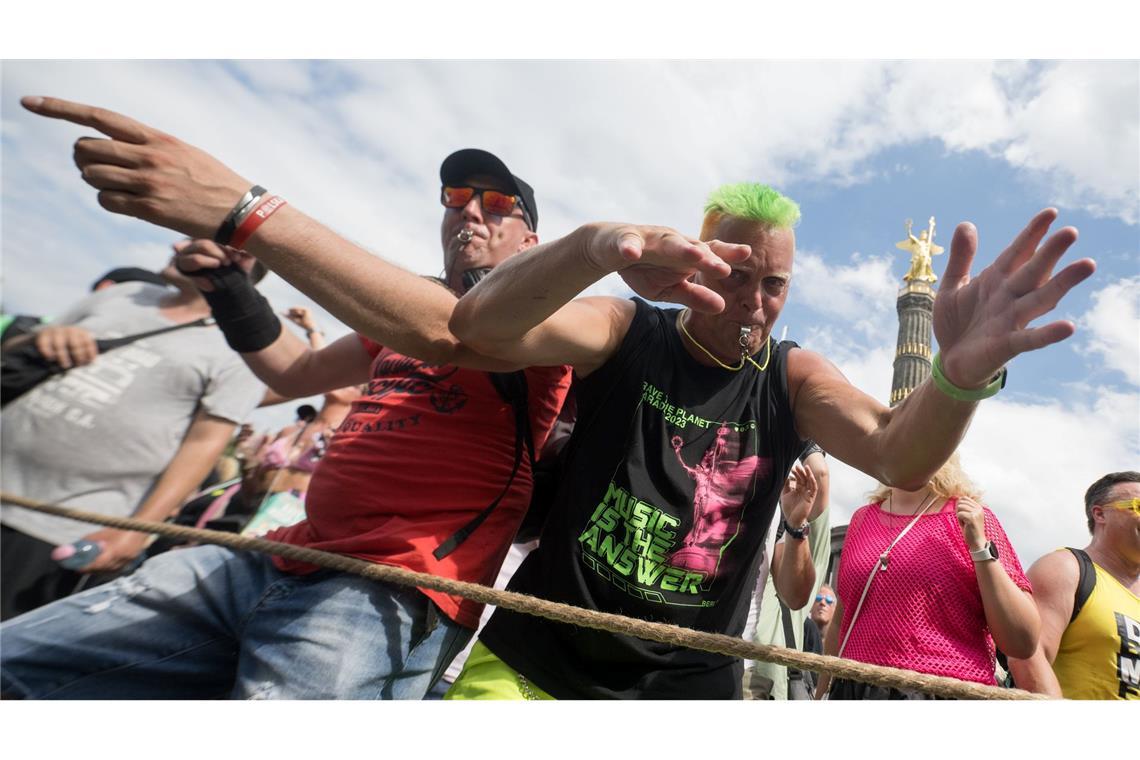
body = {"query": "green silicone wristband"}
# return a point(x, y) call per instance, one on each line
point(963, 394)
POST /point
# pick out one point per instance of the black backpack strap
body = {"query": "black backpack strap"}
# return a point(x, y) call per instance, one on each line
point(794, 674)
point(1086, 581)
point(789, 631)
point(106, 344)
point(513, 388)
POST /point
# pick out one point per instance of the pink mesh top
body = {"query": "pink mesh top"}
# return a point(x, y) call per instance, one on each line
point(924, 612)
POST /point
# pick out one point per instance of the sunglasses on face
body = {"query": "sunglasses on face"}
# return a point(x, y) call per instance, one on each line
point(493, 201)
point(826, 598)
point(1132, 505)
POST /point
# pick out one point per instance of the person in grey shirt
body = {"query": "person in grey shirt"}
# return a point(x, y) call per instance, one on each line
point(131, 432)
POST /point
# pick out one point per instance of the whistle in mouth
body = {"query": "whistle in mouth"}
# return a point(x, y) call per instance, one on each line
point(744, 333)
point(465, 236)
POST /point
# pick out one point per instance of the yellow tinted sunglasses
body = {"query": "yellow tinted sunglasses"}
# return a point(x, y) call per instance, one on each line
point(1133, 505)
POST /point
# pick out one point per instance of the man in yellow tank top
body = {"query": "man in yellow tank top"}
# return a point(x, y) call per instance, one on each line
point(1090, 603)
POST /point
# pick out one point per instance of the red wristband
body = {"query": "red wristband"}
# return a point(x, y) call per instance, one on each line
point(264, 210)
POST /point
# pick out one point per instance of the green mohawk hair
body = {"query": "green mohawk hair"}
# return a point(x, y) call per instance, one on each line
point(750, 200)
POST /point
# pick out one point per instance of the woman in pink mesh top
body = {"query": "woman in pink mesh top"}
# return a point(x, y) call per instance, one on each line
point(949, 588)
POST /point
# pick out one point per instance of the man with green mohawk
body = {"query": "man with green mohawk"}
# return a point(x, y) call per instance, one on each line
point(690, 420)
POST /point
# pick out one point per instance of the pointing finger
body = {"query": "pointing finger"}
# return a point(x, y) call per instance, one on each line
point(108, 122)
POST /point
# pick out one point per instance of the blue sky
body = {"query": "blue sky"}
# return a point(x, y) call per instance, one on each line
point(863, 145)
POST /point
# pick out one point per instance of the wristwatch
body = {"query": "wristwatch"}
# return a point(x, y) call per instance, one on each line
point(986, 553)
point(799, 533)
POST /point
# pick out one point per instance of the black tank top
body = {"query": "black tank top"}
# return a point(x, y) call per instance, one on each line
point(672, 476)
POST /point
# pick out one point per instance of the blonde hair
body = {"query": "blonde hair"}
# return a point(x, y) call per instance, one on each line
point(950, 480)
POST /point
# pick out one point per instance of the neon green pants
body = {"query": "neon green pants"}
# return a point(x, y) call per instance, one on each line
point(485, 676)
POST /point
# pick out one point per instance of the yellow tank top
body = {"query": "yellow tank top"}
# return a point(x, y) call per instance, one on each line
point(1099, 654)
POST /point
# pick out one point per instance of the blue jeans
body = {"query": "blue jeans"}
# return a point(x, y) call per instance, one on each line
point(209, 622)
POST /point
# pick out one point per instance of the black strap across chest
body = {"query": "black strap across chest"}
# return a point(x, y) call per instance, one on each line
point(512, 387)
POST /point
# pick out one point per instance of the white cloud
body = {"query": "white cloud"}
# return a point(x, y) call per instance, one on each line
point(1035, 461)
point(1114, 326)
point(1078, 98)
point(278, 77)
point(357, 144)
point(861, 293)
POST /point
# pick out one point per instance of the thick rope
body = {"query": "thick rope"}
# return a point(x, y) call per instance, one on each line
point(562, 613)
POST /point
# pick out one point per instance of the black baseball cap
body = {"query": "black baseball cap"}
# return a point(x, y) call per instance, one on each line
point(131, 274)
point(468, 162)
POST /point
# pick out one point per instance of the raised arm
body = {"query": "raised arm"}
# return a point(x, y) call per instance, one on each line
point(523, 310)
point(1011, 614)
point(303, 318)
point(980, 325)
point(793, 573)
point(142, 172)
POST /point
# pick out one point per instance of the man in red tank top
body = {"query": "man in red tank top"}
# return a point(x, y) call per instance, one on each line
point(420, 456)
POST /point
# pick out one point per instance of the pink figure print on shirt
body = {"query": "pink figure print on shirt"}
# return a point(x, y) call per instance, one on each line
point(723, 482)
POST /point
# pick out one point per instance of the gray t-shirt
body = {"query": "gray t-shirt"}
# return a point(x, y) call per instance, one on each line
point(98, 437)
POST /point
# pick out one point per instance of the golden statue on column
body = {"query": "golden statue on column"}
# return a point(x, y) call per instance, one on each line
point(921, 249)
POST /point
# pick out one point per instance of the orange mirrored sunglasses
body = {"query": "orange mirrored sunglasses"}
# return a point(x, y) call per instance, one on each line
point(493, 201)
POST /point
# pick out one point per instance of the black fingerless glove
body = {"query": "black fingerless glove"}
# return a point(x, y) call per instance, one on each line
point(243, 314)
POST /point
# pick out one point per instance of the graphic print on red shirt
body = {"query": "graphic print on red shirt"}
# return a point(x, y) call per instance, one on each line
point(420, 454)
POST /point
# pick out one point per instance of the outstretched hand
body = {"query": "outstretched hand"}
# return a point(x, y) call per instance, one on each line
point(658, 263)
point(142, 172)
point(981, 323)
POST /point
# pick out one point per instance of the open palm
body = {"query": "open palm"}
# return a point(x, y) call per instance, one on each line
point(981, 323)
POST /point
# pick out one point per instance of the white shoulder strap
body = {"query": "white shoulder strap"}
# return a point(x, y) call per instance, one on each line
point(884, 558)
